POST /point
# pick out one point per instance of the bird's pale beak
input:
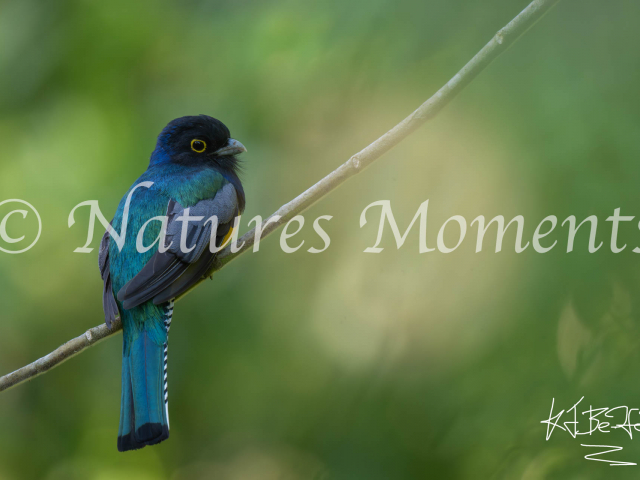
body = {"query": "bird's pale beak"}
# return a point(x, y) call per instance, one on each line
point(233, 147)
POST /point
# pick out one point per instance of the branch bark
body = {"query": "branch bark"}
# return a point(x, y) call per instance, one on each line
point(358, 162)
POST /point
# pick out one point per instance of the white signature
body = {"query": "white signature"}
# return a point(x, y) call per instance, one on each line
point(602, 420)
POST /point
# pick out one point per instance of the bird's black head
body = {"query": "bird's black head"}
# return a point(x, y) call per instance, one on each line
point(197, 140)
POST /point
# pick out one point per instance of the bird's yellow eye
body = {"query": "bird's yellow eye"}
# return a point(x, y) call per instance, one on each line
point(198, 145)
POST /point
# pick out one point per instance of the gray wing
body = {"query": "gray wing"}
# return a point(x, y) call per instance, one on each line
point(169, 274)
point(109, 305)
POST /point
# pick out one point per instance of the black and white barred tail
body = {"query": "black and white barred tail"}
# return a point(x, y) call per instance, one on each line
point(167, 326)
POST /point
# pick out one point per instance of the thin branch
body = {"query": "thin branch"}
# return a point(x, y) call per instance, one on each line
point(358, 162)
point(59, 355)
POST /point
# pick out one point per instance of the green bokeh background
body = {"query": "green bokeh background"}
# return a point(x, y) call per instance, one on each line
point(340, 365)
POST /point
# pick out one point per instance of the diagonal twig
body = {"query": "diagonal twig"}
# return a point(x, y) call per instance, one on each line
point(358, 162)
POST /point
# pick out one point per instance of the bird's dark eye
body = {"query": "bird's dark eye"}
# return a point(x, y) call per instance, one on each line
point(198, 145)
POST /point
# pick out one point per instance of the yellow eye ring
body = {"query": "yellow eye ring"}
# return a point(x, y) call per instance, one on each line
point(198, 145)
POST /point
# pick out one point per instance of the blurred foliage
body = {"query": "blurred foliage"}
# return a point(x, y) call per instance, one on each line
point(342, 365)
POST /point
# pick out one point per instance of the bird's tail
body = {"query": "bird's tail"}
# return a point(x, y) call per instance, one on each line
point(144, 410)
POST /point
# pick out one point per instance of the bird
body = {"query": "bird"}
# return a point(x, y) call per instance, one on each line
point(193, 171)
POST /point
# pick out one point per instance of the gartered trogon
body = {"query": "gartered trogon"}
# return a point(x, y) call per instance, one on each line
point(192, 174)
